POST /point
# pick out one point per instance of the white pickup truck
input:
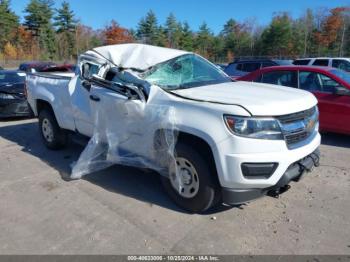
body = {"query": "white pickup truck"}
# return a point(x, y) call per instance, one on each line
point(236, 141)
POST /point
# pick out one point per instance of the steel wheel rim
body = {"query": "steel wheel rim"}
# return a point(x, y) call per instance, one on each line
point(184, 178)
point(47, 130)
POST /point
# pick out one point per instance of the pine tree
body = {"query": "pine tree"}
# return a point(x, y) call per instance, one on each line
point(148, 30)
point(186, 40)
point(204, 40)
point(229, 36)
point(173, 31)
point(65, 24)
point(8, 23)
point(160, 38)
point(38, 21)
point(277, 38)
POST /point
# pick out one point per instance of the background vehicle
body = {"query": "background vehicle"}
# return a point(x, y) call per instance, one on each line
point(59, 68)
point(331, 86)
point(283, 61)
point(221, 66)
point(36, 65)
point(243, 67)
point(257, 141)
point(12, 94)
point(338, 62)
point(1, 68)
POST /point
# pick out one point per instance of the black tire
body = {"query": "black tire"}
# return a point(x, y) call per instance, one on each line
point(209, 190)
point(58, 139)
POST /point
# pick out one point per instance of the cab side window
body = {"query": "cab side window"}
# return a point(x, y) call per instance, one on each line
point(315, 82)
point(239, 67)
point(250, 67)
point(89, 69)
point(341, 64)
point(282, 78)
point(309, 81)
point(321, 62)
point(267, 64)
point(328, 84)
point(301, 62)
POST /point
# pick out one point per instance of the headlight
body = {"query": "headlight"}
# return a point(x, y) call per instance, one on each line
point(6, 96)
point(263, 128)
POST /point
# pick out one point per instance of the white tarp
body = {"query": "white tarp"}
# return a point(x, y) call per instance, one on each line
point(138, 56)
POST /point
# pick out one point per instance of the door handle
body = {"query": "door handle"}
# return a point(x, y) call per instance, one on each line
point(94, 98)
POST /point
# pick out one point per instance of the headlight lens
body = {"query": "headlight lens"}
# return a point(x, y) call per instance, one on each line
point(6, 96)
point(264, 128)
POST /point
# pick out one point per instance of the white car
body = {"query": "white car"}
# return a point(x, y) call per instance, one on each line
point(236, 141)
point(342, 63)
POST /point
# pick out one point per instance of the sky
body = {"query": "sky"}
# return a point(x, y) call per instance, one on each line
point(97, 13)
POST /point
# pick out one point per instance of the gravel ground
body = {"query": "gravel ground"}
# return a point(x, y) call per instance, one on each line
point(125, 211)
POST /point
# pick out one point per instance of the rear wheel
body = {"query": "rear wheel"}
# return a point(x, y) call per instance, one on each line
point(191, 184)
point(53, 136)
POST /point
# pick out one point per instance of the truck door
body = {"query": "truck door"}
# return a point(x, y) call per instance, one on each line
point(120, 119)
point(80, 87)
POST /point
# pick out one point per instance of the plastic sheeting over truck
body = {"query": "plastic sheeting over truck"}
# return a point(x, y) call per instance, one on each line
point(133, 132)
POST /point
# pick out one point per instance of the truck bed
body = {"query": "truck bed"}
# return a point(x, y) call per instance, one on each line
point(53, 88)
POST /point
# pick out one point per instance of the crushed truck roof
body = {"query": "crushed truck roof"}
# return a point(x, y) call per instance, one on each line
point(137, 56)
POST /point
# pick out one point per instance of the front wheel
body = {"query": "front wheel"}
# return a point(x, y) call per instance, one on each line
point(191, 184)
point(53, 136)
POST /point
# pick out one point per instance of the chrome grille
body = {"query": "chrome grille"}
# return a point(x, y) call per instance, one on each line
point(285, 119)
point(299, 126)
point(296, 138)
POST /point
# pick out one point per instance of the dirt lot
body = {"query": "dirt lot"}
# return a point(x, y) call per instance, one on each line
point(125, 211)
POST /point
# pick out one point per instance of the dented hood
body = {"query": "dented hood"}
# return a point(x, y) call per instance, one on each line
point(258, 99)
point(137, 56)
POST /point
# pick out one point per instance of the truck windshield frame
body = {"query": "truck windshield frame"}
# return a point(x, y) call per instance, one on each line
point(186, 71)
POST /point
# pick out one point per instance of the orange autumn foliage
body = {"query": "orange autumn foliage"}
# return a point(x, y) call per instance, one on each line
point(333, 23)
point(115, 34)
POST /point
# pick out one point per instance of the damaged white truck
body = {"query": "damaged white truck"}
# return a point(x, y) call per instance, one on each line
point(212, 140)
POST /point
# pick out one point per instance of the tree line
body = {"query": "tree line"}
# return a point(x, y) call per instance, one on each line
point(48, 33)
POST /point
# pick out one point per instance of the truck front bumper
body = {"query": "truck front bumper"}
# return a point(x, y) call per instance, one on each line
point(293, 173)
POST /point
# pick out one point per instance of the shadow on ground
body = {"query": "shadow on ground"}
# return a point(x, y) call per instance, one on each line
point(143, 185)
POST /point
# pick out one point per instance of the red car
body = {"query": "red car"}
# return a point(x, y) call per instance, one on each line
point(331, 86)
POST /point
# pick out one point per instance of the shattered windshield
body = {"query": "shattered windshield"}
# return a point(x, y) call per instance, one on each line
point(185, 72)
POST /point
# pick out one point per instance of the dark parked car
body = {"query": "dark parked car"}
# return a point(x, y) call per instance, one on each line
point(66, 68)
point(331, 87)
point(36, 65)
point(242, 67)
point(13, 101)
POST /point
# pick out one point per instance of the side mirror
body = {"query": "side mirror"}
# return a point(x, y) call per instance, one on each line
point(341, 91)
point(85, 71)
